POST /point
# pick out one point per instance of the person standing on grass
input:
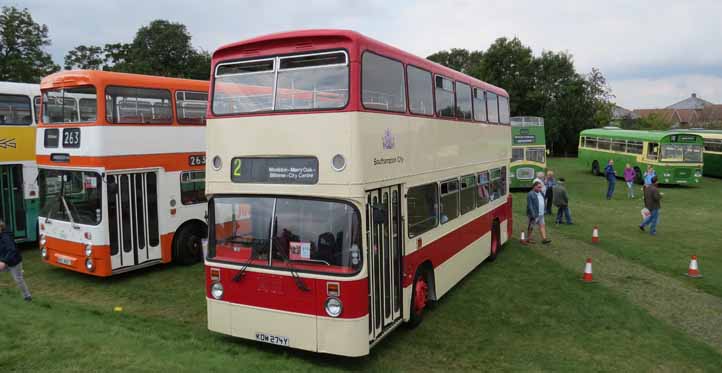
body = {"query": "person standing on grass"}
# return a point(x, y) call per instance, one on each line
point(540, 178)
point(653, 203)
point(611, 176)
point(535, 213)
point(629, 175)
point(11, 261)
point(549, 183)
point(561, 201)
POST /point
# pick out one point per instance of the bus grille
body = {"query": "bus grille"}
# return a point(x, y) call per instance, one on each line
point(682, 173)
point(525, 173)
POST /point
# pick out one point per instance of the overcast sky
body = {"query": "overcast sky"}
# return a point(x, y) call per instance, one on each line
point(653, 53)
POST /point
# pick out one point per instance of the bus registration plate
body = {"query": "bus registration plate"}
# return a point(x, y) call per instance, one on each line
point(272, 339)
point(65, 261)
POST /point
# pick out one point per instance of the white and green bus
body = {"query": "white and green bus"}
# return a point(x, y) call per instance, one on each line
point(676, 156)
point(528, 150)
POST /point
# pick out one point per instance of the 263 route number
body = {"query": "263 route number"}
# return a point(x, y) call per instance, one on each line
point(197, 160)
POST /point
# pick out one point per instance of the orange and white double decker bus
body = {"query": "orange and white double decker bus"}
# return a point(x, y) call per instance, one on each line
point(121, 162)
point(350, 184)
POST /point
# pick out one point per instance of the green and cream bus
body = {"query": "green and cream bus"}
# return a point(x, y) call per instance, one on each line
point(675, 155)
point(712, 151)
point(528, 150)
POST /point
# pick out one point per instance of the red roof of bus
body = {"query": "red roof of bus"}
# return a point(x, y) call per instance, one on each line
point(356, 43)
point(75, 78)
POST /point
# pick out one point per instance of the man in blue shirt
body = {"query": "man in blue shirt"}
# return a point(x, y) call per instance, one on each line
point(535, 213)
point(611, 176)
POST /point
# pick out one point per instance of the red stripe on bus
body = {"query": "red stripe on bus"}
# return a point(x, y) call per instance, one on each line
point(453, 242)
point(169, 162)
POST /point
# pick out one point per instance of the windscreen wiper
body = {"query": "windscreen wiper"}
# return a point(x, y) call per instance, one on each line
point(241, 272)
point(296, 277)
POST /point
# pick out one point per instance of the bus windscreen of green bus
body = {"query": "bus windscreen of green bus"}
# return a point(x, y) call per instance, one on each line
point(681, 153)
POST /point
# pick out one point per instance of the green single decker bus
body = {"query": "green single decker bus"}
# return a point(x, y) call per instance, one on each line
point(676, 156)
point(528, 150)
point(712, 151)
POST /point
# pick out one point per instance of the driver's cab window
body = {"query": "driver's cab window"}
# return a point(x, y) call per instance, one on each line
point(652, 150)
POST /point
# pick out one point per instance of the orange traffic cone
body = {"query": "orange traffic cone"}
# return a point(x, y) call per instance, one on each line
point(693, 270)
point(588, 271)
point(595, 234)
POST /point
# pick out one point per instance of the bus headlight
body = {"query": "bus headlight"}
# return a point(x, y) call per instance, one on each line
point(333, 307)
point(88, 250)
point(217, 290)
point(697, 174)
point(44, 253)
point(43, 241)
point(89, 265)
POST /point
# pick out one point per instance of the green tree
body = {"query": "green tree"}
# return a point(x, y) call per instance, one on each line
point(511, 65)
point(459, 59)
point(654, 121)
point(22, 58)
point(85, 58)
point(161, 48)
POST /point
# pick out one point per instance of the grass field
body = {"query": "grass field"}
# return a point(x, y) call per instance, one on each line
point(526, 311)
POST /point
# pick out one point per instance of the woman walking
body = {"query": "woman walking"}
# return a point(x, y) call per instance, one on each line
point(629, 175)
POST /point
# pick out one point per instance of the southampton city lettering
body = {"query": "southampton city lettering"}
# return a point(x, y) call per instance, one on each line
point(385, 161)
point(294, 173)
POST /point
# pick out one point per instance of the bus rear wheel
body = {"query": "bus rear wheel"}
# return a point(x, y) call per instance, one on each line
point(495, 241)
point(595, 168)
point(419, 298)
point(188, 245)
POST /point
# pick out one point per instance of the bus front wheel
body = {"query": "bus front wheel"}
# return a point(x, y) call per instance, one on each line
point(638, 176)
point(188, 245)
point(595, 168)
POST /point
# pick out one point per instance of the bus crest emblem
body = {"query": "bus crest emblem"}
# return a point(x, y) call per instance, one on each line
point(389, 140)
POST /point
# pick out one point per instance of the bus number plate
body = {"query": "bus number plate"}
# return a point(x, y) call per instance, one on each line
point(65, 261)
point(272, 339)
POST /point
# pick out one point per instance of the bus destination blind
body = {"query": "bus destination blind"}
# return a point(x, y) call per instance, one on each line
point(286, 170)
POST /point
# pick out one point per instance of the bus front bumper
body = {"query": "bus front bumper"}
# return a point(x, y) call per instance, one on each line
point(347, 337)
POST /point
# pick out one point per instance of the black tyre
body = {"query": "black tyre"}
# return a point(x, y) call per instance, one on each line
point(595, 168)
point(420, 291)
point(187, 246)
point(495, 242)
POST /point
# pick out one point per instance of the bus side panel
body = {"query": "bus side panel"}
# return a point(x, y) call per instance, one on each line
point(712, 164)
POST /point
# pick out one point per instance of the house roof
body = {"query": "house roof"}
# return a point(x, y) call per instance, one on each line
point(691, 102)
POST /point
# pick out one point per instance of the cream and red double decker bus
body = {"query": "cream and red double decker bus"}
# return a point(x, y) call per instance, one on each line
point(350, 183)
point(121, 162)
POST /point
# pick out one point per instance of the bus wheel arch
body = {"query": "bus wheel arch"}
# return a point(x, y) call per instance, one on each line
point(187, 242)
point(423, 286)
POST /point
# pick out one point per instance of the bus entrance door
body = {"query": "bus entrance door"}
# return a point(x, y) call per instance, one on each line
point(12, 206)
point(385, 238)
point(133, 219)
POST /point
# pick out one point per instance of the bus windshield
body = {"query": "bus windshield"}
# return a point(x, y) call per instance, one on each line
point(536, 154)
point(287, 233)
point(681, 153)
point(70, 105)
point(71, 196)
point(303, 82)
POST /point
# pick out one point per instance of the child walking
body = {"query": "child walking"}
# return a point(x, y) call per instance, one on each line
point(629, 175)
